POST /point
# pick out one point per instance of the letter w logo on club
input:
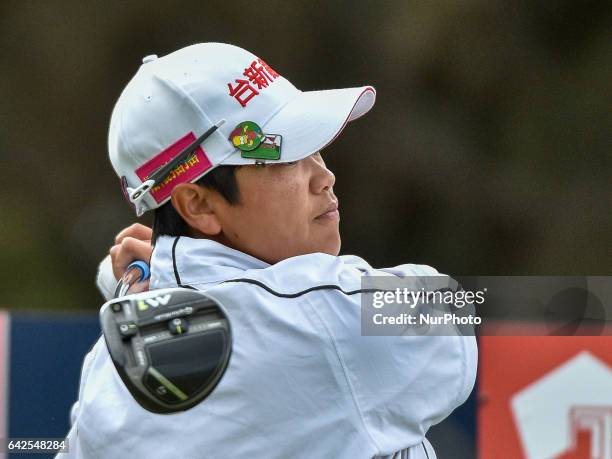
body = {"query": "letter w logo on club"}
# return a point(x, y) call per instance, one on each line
point(143, 305)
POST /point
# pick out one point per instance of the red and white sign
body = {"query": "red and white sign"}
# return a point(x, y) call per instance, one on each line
point(545, 397)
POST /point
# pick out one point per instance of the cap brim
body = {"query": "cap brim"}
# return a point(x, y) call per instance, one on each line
point(312, 120)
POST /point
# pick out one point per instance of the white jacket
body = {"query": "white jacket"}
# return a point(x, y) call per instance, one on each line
point(301, 383)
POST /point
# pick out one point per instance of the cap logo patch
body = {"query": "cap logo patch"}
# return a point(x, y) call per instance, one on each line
point(246, 136)
point(193, 166)
point(253, 143)
point(258, 74)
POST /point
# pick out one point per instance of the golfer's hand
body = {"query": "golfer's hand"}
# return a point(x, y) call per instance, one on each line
point(132, 243)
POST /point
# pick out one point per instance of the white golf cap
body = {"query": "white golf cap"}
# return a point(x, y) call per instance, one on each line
point(247, 111)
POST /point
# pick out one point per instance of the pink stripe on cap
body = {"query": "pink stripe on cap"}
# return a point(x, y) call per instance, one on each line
point(185, 172)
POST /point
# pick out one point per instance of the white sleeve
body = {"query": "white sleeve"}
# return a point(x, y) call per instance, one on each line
point(87, 361)
point(402, 385)
point(73, 435)
point(105, 280)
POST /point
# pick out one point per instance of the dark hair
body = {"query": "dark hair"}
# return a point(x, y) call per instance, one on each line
point(168, 222)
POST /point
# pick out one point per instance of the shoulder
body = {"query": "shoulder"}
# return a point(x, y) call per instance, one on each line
point(317, 268)
point(296, 274)
point(410, 269)
point(407, 269)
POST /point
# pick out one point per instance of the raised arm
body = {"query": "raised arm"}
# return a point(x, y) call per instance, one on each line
point(132, 243)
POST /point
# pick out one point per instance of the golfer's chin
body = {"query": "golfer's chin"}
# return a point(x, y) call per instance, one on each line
point(331, 244)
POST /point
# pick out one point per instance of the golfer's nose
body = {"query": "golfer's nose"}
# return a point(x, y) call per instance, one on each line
point(322, 178)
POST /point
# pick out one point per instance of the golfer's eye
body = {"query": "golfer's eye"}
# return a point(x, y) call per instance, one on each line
point(291, 163)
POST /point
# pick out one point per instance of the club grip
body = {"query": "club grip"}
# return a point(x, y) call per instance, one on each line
point(144, 270)
point(137, 271)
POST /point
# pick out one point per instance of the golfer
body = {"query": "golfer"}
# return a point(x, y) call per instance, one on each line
point(228, 154)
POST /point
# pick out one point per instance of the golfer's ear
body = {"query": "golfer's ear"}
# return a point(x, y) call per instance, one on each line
point(194, 204)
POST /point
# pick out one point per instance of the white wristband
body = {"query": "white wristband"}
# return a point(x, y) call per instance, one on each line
point(105, 280)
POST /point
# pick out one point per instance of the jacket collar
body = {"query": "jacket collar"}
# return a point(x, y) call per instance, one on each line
point(187, 261)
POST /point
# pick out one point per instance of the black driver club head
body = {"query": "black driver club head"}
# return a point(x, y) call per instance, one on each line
point(170, 347)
